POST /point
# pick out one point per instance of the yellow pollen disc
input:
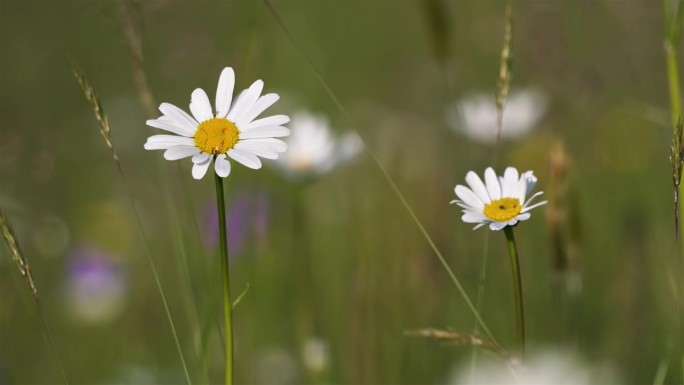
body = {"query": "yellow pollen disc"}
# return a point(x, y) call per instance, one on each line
point(216, 136)
point(502, 210)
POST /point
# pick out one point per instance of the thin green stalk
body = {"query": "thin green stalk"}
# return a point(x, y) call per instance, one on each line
point(517, 286)
point(225, 272)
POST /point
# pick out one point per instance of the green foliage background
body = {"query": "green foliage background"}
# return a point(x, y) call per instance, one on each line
point(395, 66)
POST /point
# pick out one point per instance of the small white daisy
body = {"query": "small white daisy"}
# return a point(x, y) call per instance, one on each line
point(229, 130)
point(313, 150)
point(500, 201)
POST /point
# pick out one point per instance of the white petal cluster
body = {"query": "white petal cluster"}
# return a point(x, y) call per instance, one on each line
point(475, 115)
point(478, 195)
point(256, 137)
point(313, 150)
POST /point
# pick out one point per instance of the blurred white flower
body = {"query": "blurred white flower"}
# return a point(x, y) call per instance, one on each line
point(543, 368)
point(96, 288)
point(475, 115)
point(313, 150)
point(315, 355)
point(500, 201)
point(228, 131)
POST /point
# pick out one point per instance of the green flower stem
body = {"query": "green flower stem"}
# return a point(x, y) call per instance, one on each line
point(517, 285)
point(225, 270)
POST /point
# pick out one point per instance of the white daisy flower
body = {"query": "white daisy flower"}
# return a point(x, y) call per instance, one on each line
point(475, 115)
point(229, 130)
point(500, 201)
point(313, 149)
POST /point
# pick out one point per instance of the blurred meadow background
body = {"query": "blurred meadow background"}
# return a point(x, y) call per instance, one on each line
point(337, 269)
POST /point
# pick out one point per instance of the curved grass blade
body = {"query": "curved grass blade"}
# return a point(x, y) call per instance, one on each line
point(383, 170)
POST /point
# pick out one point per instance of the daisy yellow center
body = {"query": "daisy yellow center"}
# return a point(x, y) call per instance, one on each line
point(502, 210)
point(216, 136)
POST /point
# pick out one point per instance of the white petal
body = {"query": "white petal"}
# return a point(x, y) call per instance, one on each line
point(200, 106)
point(169, 138)
point(170, 125)
point(464, 206)
point(224, 92)
point(511, 174)
point(472, 217)
point(199, 169)
point(260, 106)
point(523, 216)
point(532, 197)
point(531, 181)
point(480, 225)
point(246, 100)
point(246, 158)
point(526, 209)
point(496, 226)
point(275, 120)
point(493, 186)
point(477, 186)
point(222, 166)
point(200, 158)
point(163, 142)
point(180, 117)
point(469, 197)
point(258, 149)
point(276, 145)
point(180, 152)
point(520, 189)
point(265, 132)
point(508, 183)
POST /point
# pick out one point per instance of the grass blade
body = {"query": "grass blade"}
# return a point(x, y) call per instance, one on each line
point(384, 172)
